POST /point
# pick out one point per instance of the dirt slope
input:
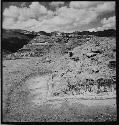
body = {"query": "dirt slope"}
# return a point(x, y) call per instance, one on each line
point(37, 79)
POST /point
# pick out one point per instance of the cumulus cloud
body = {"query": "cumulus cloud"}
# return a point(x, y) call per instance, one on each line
point(105, 7)
point(56, 4)
point(92, 29)
point(9, 22)
point(37, 17)
point(77, 16)
point(12, 11)
point(35, 11)
point(109, 23)
point(98, 6)
point(83, 4)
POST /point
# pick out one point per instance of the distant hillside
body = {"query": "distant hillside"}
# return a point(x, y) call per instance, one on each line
point(12, 40)
point(105, 33)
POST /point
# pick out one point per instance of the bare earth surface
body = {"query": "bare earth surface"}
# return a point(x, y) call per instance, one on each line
point(26, 97)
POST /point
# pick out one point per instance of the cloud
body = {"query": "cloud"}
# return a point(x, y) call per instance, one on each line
point(109, 23)
point(82, 4)
point(97, 6)
point(35, 11)
point(12, 12)
point(37, 17)
point(38, 8)
point(56, 4)
point(66, 20)
point(77, 16)
point(106, 7)
point(92, 29)
point(9, 22)
point(26, 24)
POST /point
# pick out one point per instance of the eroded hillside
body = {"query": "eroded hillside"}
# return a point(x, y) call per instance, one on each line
point(58, 66)
point(82, 63)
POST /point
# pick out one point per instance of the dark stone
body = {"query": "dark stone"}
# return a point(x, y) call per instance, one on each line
point(75, 59)
point(70, 54)
point(112, 64)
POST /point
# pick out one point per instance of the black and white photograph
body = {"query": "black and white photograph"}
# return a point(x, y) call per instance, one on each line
point(58, 61)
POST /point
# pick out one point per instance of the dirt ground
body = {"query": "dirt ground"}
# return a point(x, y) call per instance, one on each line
point(21, 97)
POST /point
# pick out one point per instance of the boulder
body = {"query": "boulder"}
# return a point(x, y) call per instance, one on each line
point(90, 54)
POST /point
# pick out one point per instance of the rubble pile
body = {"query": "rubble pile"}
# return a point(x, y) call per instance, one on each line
point(82, 63)
point(86, 69)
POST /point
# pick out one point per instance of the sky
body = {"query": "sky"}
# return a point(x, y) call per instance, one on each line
point(59, 16)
